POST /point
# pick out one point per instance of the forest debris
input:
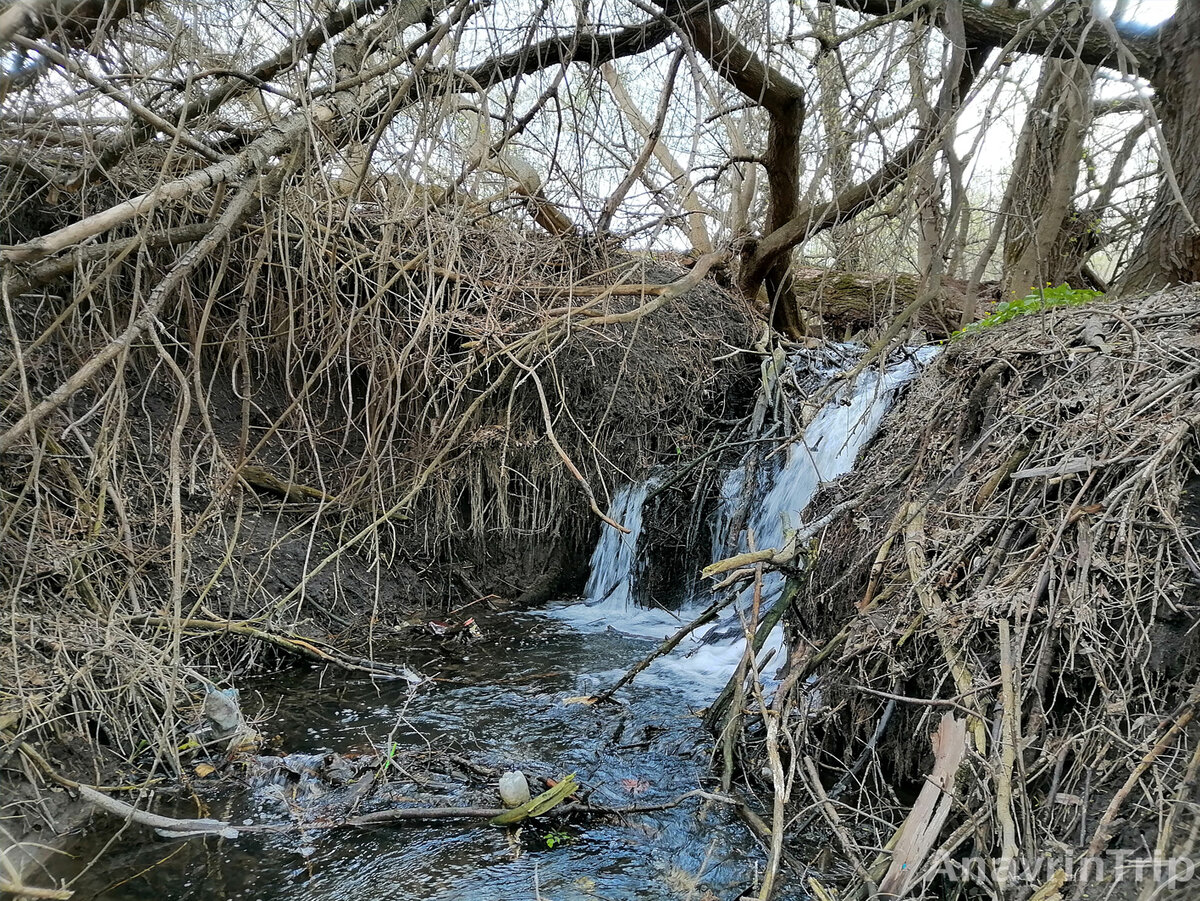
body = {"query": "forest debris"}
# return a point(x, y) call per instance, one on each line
point(238, 208)
point(1066, 467)
point(784, 556)
point(1040, 572)
point(329, 811)
point(292, 491)
point(167, 827)
point(914, 548)
point(312, 648)
point(924, 822)
point(1003, 472)
point(467, 630)
point(1009, 744)
point(717, 710)
point(543, 803)
point(826, 808)
point(1102, 836)
point(1051, 889)
point(19, 889)
point(749, 558)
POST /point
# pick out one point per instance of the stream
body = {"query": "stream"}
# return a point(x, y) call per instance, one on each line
point(505, 701)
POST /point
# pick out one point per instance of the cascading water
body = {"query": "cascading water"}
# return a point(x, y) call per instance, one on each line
point(773, 489)
point(830, 445)
point(609, 599)
point(610, 585)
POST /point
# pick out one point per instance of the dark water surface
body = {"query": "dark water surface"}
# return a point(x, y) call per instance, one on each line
point(498, 702)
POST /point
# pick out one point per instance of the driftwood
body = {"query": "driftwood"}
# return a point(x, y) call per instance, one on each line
point(303, 646)
point(716, 711)
point(183, 828)
point(168, 827)
point(563, 790)
point(920, 830)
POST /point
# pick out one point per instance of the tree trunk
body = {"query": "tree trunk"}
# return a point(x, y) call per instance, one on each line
point(848, 303)
point(1047, 239)
point(782, 162)
point(783, 101)
point(1170, 248)
point(1169, 57)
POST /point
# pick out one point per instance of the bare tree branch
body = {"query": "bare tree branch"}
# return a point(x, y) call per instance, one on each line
point(1067, 33)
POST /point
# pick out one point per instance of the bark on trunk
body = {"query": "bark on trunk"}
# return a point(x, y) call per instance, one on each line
point(846, 303)
point(1170, 248)
point(783, 101)
point(1047, 240)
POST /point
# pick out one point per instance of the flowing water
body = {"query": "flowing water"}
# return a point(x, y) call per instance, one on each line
point(774, 489)
point(504, 702)
point(614, 562)
point(499, 702)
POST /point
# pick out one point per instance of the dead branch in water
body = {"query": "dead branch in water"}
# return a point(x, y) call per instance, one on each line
point(186, 828)
point(709, 614)
point(303, 646)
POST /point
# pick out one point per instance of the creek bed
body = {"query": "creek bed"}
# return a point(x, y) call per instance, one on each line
point(499, 702)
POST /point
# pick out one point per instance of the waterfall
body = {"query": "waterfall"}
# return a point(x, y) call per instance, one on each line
point(733, 486)
point(773, 487)
point(778, 496)
point(610, 585)
point(828, 448)
point(610, 600)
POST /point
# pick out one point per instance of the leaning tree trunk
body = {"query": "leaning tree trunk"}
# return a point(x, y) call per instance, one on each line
point(783, 101)
point(1047, 240)
point(1170, 247)
point(846, 239)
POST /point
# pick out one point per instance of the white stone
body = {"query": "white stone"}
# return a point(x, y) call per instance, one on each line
point(514, 789)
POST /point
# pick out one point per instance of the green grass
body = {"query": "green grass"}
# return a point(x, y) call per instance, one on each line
point(1036, 301)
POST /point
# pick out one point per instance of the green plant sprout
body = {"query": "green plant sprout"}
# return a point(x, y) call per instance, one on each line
point(1049, 297)
point(557, 838)
point(387, 760)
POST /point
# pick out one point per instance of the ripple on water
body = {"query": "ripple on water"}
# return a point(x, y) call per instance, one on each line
point(513, 714)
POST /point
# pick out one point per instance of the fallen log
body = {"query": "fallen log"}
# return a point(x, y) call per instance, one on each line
point(851, 302)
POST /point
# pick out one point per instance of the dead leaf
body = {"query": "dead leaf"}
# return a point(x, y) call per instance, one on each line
point(635, 786)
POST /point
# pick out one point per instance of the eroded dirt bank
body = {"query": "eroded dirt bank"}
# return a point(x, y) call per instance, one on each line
point(1013, 561)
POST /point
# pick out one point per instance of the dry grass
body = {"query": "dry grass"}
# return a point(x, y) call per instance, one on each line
point(1035, 502)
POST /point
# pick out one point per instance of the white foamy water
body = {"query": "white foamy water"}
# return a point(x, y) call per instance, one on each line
point(784, 485)
point(610, 585)
point(608, 599)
